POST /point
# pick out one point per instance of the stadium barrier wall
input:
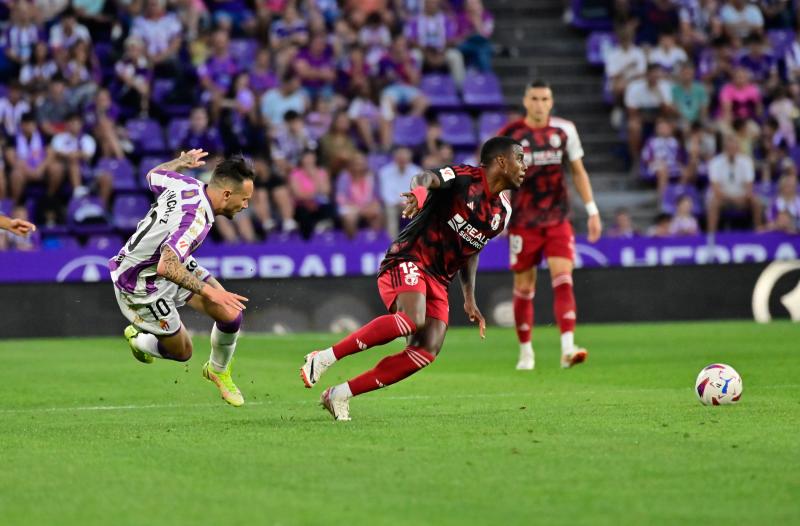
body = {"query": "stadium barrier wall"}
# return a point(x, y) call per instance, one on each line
point(340, 304)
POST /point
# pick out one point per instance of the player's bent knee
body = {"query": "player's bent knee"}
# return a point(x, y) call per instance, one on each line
point(230, 321)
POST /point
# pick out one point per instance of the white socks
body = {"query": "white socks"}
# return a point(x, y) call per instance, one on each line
point(147, 343)
point(222, 346)
point(342, 391)
point(567, 342)
point(326, 357)
point(525, 349)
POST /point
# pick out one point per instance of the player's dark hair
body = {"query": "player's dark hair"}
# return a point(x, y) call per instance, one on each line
point(496, 147)
point(539, 83)
point(235, 169)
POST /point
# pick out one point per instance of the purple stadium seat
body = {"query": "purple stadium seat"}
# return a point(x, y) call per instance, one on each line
point(597, 46)
point(121, 171)
point(148, 163)
point(6, 205)
point(591, 14)
point(128, 210)
point(376, 161)
point(103, 242)
point(794, 153)
point(60, 242)
point(409, 130)
point(674, 192)
point(244, 51)
point(780, 40)
point(482, 90)
point(490, 123)
point(161, 89)
point(458, 130)
point(147, 135)
point(87, 215)
point(441, 91)
point(176, 131)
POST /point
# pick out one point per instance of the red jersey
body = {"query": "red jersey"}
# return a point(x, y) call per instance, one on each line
point(542, 200)
point(456, 222)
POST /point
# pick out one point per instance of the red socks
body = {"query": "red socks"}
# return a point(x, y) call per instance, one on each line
point(564, 302)
point(523, 314)
point(382, 329)
point(391, 369)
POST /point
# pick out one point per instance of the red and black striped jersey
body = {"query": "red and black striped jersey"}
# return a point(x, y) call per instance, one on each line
point(542, 199)
point(456, 222)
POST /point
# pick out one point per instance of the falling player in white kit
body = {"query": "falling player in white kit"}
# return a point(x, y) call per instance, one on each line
point(154, 273)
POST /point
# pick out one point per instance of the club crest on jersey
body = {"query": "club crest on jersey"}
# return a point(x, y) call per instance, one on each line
point(164, 324)
point(496, 222)
point(555, 141)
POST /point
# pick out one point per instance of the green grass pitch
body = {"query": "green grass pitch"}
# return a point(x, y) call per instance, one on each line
point(89, 436)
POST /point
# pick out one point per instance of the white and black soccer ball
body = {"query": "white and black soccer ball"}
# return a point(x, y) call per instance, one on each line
point(718, 384)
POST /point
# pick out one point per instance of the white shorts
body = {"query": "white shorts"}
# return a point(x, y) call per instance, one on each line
point(157, 313)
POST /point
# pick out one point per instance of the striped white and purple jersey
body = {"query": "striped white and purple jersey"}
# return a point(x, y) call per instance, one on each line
point(180, 218)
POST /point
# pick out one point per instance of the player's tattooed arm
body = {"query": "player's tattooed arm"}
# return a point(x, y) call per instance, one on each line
point(190, 159)
point(170, 267)
point(467, 276)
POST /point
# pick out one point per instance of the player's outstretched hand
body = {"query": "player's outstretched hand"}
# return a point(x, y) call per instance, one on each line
point(412, 207)
point(475, 316)
point(595, 228)
point(21, 227)
point(193, 158)
point(225, 298)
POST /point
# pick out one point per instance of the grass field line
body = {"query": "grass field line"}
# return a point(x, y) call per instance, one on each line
point(459, 396)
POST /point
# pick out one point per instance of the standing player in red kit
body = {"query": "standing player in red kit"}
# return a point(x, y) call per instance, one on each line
point(540, 226)
point(456, 210)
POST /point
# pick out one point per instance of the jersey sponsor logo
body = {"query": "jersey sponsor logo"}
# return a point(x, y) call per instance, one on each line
point(471, 205)
point(555, 141)
point(447, 174)
point(545, 157)
point(183, 245)
point(467, 232)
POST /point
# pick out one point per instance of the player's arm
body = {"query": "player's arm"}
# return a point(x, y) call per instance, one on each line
point(420, 184)
point(186, 160)
point(19, 227)
point(584, 187)
point(467, 276)
point(171, 268)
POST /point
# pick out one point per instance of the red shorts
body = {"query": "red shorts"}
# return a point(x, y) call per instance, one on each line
point(527, 245)
point(408, 277)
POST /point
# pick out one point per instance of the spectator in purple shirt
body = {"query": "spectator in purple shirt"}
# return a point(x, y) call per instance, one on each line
point(217, 72)
point(433, 32)
point(101, 117)
point(286, 35)
point(475, 27)
point(315, 67)
point(400, 75)
point(28, 157)
point(784, 211)
point(200, 136)
point(36, 74)
point(760, 62)
point(133, 75)
point(663, 158)
point(262, 75)
point(21, 35)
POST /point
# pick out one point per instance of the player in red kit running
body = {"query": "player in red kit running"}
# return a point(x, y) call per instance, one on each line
point(540, 226)
point(456, 210)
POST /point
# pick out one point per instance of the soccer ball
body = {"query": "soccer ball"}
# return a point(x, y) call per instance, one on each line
point(718, 384)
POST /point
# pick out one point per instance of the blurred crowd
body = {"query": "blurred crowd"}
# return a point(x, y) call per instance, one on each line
point(706, 95)
point(94, 93)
